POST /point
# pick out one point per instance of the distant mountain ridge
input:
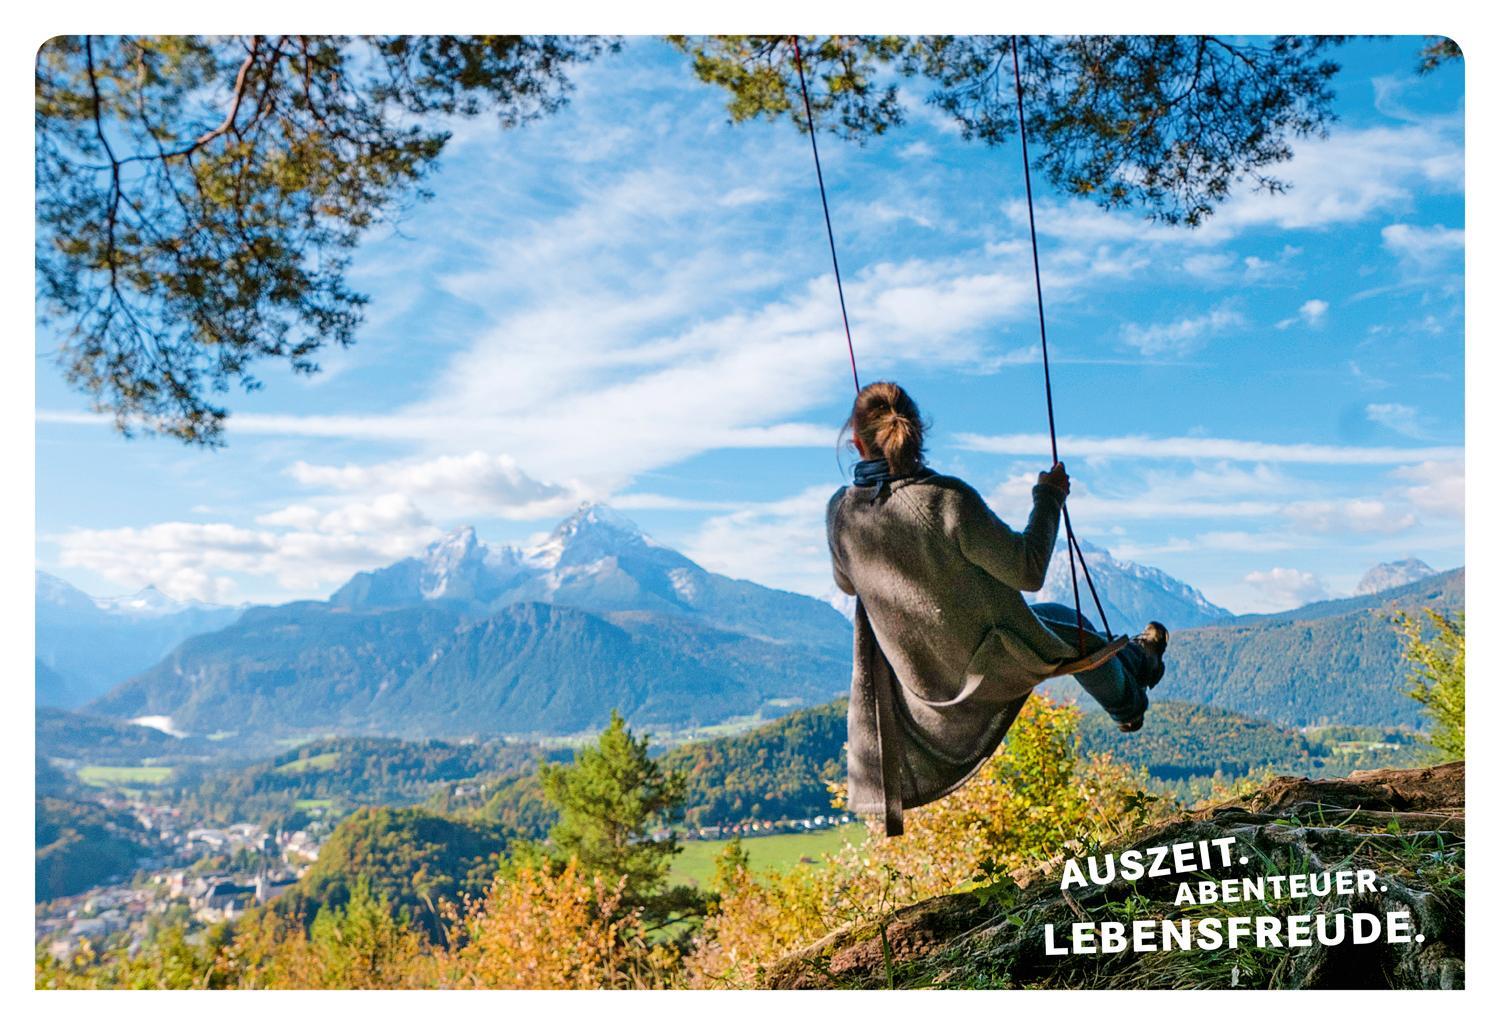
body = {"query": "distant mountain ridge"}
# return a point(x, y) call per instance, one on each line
point(599, 561)
point(86, 645)
point(1336, 661)
point(466, 639)
point(1443, 590)
point(545, 639)
point(1393, 574)
point(1132, 594)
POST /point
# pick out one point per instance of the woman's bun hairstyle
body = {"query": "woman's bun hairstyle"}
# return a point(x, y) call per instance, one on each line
point(889, 425)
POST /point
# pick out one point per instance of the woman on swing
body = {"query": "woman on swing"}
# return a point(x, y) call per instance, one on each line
point(946, 648)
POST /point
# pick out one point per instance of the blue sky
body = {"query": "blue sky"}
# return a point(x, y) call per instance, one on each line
point(631, 302)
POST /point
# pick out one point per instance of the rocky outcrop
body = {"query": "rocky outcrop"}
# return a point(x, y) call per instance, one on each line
point(1404, 826)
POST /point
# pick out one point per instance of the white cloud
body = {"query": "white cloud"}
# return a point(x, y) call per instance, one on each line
point(1312, 313)
point(1211, 492)
point(1261, 496)
point(1399, 417)
point(1437, 487)
point(301, 549)
point(1212, 265)
point(384, 513)
point(1140, 446)
point(1223, 267)
point(1282, 588)
point(478, 483)
point(1394, 163)
point(1259, 270)
point(1182, 336)
point(746, 195)
point(1357, 515)
point(1366, 379)
point(781, 543)
point(882, 212)
point(630, 398)
point(372, 518)
point(1422, 248)
point(1233, 541)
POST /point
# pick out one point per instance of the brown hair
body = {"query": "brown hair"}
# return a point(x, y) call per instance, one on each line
point(889, 425)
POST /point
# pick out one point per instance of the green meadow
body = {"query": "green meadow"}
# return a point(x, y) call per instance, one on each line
point(314, 763)
point(767, 853)
point(116, 775)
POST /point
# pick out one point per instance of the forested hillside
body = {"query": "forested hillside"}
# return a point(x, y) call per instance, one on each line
point(1183, 741)
point(103, 740)
point(344, 773)
point(431, 671)
point(80, 844)
point(413, 857)
point(778, 771)
point(1331, 662)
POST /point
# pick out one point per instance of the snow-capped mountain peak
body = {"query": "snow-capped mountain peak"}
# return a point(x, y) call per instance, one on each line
point(458, 566)
point(148, 601)
point(593, 532)
point(1393, 574)
point(452, 566)
point(1132, 593)
point(87, 645)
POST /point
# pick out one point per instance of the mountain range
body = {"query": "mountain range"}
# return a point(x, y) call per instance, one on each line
point(466, 639)
point(1393, 574)
point(1335, 661)
point(1132, 594)
point(599, 561)
point(86, 645)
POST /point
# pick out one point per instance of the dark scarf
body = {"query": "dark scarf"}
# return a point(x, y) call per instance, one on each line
point(876, 473)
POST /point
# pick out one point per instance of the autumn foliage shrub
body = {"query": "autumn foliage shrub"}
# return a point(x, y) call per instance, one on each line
point(561, 930)
point(1028, 803)
point(549, 920)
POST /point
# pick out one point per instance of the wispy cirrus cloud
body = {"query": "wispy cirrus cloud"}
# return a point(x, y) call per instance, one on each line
point(1399, 417)
point(299, 550)
point(477, 483)
point(592, 306)
point(1420, 247)
point(1146, 447)
point(1182, 336)
point(1312, 313)
point(1284, 588)
point(1360, 515)
point(781, 542)
point(1394, 161)
point(1435, 486)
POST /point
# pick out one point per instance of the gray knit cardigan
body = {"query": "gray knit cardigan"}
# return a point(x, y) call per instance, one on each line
point(946, 650)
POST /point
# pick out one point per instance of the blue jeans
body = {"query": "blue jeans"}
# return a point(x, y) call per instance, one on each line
point(1116, 685)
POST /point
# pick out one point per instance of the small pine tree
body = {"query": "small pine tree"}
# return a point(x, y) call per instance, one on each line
point(608, 801)
point(731, 866)
point(1437, 675)
point(365, 944)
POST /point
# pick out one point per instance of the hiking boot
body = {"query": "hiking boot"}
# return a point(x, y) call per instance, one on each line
point(1150, 645)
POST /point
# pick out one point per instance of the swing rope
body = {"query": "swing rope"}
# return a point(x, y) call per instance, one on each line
point(1041, 316)
point(1075, 550)
point(827, 218)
